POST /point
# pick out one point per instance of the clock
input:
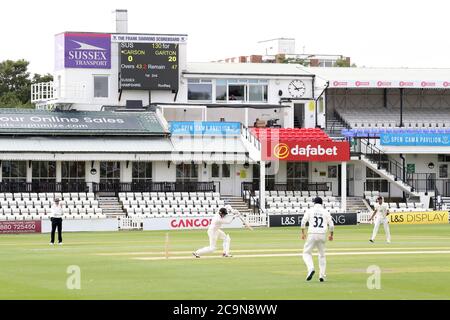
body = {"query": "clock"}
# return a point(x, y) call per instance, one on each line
point(297, 88)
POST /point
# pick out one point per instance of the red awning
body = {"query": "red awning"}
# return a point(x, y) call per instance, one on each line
point(300, 144)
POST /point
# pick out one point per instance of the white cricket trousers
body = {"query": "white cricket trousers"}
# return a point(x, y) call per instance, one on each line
point(315, 240)
point(385, 222)
point(213, 236)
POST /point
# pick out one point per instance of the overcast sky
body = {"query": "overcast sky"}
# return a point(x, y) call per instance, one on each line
point(381, 33)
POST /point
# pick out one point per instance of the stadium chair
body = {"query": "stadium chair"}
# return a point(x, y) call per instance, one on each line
point(146, 213)
point(145, 195)
point(154, 195)
point(74, 196)
point(419, 206)
point(130, 195)
point(161, 195)
point(18, 196)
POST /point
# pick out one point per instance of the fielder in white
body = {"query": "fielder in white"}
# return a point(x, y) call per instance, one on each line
point(319, 221)
point(381, 214)
point(214, 233)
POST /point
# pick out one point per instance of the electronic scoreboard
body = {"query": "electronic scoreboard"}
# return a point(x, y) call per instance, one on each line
point(148, 66)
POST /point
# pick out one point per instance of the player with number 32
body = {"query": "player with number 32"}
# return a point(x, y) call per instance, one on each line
point(319, 221)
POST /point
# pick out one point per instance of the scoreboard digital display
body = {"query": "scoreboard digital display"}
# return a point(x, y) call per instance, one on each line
point(148, 66)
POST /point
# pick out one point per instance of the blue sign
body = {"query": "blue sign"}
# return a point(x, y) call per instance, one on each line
point(205, 128)
point(415, 139)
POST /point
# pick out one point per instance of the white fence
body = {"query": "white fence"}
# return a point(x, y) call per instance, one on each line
point(363, 217)
point(256, 220)
point(130, 224)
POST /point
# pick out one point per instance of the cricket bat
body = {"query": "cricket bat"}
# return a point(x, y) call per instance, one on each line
point(245, 223)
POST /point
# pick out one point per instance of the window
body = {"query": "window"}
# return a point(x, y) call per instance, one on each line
point(297, 175)
point(332, 172)
point(44, 171)
point(443, 171)
point(241, 90)
point(100, 86)
point(14, 171)
point(109, 172)
point(73, 171)
point(199, 89)
point(236, 92)
point(221, 90)
point(258, 93)
point(270, 179)
point(220, 171)
point(374, 182)
point(187, 172)
point(443, 157)
point(215, 170)
point(142, 171)
point(226, 172)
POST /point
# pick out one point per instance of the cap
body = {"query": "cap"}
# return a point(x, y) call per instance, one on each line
point(318, 200)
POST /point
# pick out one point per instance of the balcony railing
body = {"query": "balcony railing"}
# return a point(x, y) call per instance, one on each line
point(41, 187)
point(290, 186)
point(148, 186)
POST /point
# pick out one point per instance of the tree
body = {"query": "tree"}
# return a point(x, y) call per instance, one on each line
point(37, 78)
point(303, 62)
point(15, 83)
point(343, 63)
point(14, 78)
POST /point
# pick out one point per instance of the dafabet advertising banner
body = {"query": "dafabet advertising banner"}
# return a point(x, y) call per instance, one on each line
point(307, 151)
point(429, 217)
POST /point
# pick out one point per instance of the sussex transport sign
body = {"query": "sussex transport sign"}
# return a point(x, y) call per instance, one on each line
point(87, 50)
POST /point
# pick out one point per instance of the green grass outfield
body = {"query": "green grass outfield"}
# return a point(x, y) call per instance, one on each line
point(266, 265)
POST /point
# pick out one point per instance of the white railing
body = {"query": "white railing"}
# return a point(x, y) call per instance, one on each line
point(48, 93)
point(130, 223)
point(256, 220)
point(43, 91)
point(252, 144)
point(363, 217)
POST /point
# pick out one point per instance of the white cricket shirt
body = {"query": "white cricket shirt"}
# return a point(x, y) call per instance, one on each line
point(381, 209)
point(319, 220)
point(56, 211)
point(217, 222)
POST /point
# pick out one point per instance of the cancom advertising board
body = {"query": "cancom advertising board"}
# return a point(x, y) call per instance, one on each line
point(326, 151)
point(185, 223)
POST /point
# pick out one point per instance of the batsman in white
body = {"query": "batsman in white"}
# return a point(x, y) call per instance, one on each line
point(215, 232)
point(381, 214)
point(319, 221)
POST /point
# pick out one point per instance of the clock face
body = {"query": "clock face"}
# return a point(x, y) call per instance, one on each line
point(297, 88)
